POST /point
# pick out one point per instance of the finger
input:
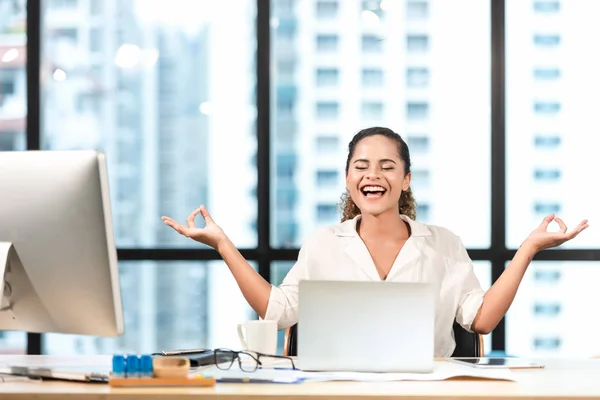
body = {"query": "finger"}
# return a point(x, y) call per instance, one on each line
point(206, 215)
point(191, 223)
point(582, 226)
point(175, 225)
point(563, 227)
point(546, 221)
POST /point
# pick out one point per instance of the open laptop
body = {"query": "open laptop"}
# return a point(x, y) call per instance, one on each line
point(366, 326)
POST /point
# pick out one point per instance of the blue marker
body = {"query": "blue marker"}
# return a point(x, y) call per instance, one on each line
point(118, 366)
point(146, 369)
point(133, 366)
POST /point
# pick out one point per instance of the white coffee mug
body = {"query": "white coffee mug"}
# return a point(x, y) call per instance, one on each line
point(260, 336)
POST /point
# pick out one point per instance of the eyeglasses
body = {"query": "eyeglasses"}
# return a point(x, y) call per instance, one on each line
point(224, 359)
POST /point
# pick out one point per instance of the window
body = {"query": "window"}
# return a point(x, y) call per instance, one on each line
point(417, 77)
point(420, 178)
point(546, 74)
point(327, 212)
point(417, 10)
point(540, 318)
point(327, 110)
point(547, 141)
point(417, 110)
point(327, 179)
point(546, 41)
point(96, 7)
point(372, 77)
point(372, 110)
point(546, 309)
point(423, 212)
point(546, 6)
point(398, 92)
point(286, 166)
point(417, 144)
point(181, 318)
point(546, 343)
point(417, 43)
point(327, 43)
point(373, 6)
point(327, 144)
point(547, 208)
point(327, 9)
point(547, 276)
point(286, 28)
point(546, 107)
point(95, 40)
point(371, 44)
point(327, 76)
point(547, 174)
point(63, 4)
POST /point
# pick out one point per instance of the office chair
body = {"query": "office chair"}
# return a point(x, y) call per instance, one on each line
point(468, 344)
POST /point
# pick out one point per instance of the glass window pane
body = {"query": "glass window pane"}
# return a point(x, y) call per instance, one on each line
point(155, 88)
point(168, 305)
point(483, 271)
point(408, 83)
point(551, 85)
point(13, 76)
point(550, 310)
point(13, 111)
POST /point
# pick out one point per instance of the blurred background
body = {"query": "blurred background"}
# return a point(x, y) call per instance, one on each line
point(248, 106)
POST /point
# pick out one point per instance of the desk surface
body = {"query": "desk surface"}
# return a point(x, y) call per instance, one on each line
point(560, 378)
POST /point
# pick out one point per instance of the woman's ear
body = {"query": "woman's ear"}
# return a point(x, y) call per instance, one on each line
point(406, 182)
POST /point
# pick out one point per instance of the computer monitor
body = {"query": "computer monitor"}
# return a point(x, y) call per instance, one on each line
point(58, 261)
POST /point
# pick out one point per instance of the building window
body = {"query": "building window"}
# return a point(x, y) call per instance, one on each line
point(373, 6)
point(547, 208)
point(417, 10)
point(550, 343)
point(423, 211)
point(547, 174)
point(372, 77)
point(327, 212)
point(546, 276)
point(546, 74)
point(546, 6)
point(328, 110)
point(96, 40)
point(286, 29)
point(372, 44)
point(63, 4)
point(327, 144)
point(417, 77)
point(417, 144)
point(287, 198)
point(327, 43)
point(420, 178)
point(546, 309)
point(286, 166)
point(327, 76)
point(327, 9)
point(417, 110)
point(546, 107)
point(546, 40)
point(372, 110)
point(327, 178)
point(417, 43)
point(547, 142)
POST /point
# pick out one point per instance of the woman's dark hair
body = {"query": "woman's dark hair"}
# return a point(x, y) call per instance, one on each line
point(407, 204)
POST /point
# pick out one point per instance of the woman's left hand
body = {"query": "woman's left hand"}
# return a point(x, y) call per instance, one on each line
point(540, 239)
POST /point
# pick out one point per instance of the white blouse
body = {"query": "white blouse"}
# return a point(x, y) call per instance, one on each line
point(431, 254)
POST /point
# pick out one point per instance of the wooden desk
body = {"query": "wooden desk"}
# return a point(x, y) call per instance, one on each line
point(560, 379)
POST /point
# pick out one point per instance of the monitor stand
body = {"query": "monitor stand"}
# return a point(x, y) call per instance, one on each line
point(21, 308)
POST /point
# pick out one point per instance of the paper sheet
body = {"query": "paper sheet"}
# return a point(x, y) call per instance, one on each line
point(442, 371)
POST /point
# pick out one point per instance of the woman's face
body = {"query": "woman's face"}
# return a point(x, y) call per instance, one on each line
point(375, 178)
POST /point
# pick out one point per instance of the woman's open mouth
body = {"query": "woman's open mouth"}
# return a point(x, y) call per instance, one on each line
point(373, 191)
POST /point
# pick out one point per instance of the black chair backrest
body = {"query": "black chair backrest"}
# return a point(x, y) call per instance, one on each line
point(467, 343)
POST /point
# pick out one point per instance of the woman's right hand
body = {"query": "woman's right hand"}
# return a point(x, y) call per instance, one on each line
point(211, 235)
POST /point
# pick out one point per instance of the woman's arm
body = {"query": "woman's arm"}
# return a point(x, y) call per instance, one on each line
point(500, 296)
point(254, 287)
